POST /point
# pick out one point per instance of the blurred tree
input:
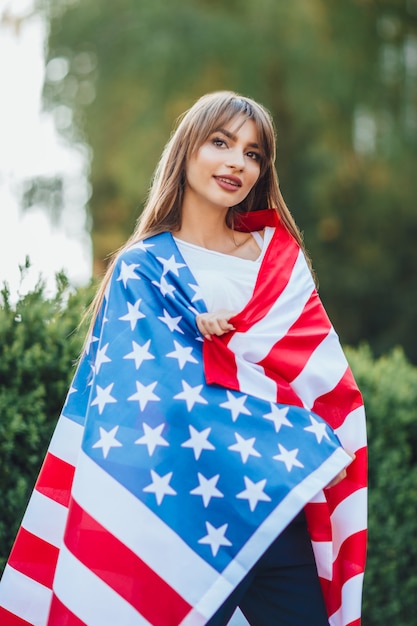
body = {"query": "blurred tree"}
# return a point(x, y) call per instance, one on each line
point(363, 198)
point(45, 191)
point(341, 82)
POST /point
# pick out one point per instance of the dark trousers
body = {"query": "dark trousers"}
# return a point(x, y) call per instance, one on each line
point(282, 588)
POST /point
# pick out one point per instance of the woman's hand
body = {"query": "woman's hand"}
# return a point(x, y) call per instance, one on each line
point(216, 323)
point(343, 473)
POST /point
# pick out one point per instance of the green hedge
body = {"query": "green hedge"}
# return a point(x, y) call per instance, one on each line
point(39, 344)
point(389, 386)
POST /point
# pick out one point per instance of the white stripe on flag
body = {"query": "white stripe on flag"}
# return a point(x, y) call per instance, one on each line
point(352, 433)
point(89, 598)
point(351, 602)
point(349, 517)
point(66, 441)
point(320, 497)
point(323, 553)
point(45, 518)
point(252, 380)
point(254, 345)
point(322, 372)
point(194, 619)
point(184, 570)
point(279, 319)
point(24, 597)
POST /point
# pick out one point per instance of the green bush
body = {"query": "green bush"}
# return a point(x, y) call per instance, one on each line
point(39, 345)
point(38, 348)
point(389, 386)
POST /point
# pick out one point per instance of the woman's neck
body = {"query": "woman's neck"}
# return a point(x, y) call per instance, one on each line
point(210, 231)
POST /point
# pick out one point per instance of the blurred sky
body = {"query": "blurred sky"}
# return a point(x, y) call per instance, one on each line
point(31, 147)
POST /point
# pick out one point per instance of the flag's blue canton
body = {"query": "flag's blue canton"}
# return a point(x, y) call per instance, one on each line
point(182, 447)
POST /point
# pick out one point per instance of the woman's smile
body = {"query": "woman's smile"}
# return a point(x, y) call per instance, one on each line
point(229, 183)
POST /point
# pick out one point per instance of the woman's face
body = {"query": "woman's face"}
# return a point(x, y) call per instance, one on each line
point(224, 169)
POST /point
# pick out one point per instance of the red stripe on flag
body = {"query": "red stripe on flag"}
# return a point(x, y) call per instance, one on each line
point(335, 405)
point(34, 557)
point(10, 619)
point(287, 395)
point(123, 570)
point(270, 282)
point(291, 353)
point(55, 479)
point(256, 220)
point(318, 520)
point(59, 614)
point(349, 563)
point(219, 361)
point(355, 479)
point(220, 364)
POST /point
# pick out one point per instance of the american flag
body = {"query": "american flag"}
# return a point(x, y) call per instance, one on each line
point(176, 462)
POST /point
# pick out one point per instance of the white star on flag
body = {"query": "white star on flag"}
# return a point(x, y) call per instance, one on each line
point(103, 397)
point(164, 287)
point(140, 353)
point(254, 492)
point(197, 292)
point(318, 429)
point(198, 441)
point(101, 358)
point(152, 437)
point(133, 314)
point(141, 245)
point(160, 486)
point(289, 457)
point(107, 440)
point(144, 394)
point(215, 537)
point(278, 417)
point(207, 488)
point(182, 354)
point(170, 265)
point(90, 340)
point(71, 390)
point(191, 395)
point(235, 405)
point(244, 447)
point(128, 271)
point(171, 322)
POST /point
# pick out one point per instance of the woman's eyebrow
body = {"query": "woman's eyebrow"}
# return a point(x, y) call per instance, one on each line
point(233, 137)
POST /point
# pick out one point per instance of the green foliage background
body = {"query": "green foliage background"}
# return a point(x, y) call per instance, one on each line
point(340, 79)
point(38, 348)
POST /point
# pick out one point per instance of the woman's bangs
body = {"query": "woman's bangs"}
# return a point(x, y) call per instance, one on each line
point(218, 111)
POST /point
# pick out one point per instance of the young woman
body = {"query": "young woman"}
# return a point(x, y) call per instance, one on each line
point(201, 461)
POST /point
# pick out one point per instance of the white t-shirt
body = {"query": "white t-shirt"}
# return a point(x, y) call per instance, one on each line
point(226, 281)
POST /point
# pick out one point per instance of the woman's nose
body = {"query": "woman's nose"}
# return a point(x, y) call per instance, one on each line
point(236, 159)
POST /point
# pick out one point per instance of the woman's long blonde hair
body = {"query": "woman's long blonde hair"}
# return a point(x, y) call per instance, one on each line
point(162, 211)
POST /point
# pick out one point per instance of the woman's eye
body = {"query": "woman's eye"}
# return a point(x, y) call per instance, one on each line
point(220, 143)
point(254, 155)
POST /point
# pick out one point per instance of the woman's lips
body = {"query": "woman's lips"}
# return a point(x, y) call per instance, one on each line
point(229, 183)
